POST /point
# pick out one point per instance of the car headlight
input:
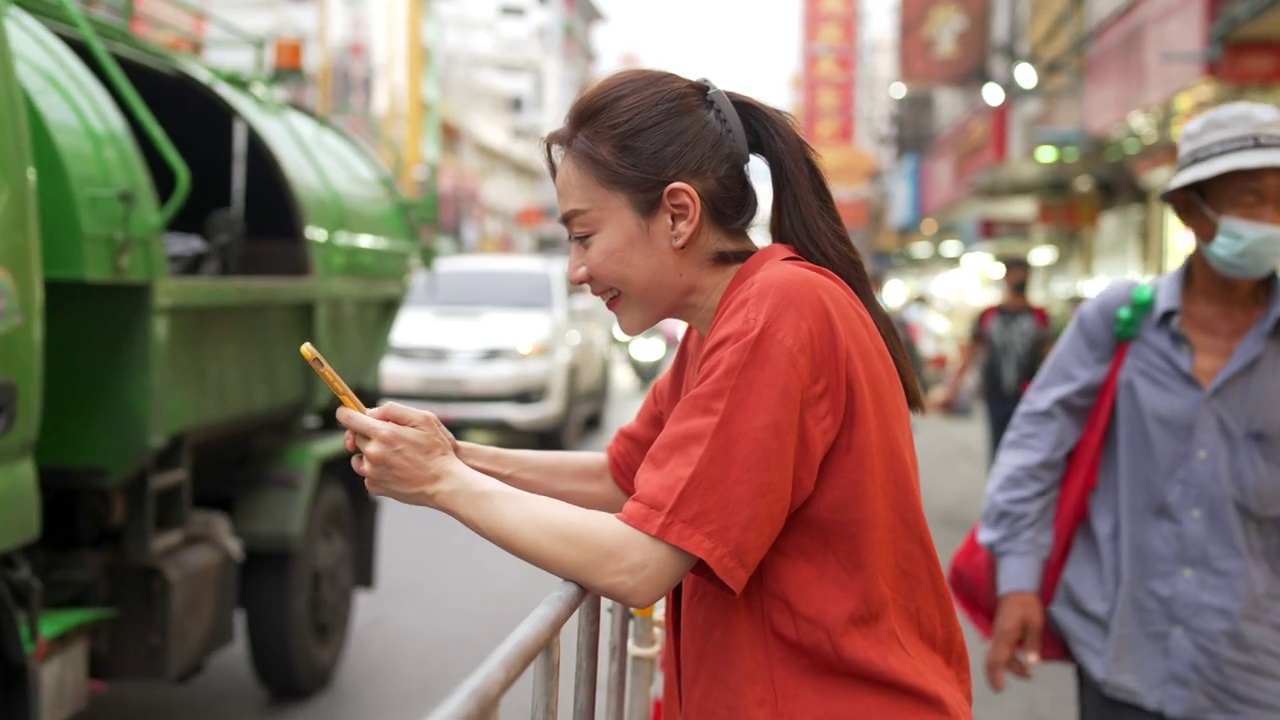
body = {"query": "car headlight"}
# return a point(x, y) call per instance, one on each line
point(533, 349)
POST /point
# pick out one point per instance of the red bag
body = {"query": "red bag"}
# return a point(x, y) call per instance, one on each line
point(972, 575)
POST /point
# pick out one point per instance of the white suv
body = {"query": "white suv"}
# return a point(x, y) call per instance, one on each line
point(499, 340)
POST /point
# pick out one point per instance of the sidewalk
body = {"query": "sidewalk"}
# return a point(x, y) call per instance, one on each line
point(953, 462)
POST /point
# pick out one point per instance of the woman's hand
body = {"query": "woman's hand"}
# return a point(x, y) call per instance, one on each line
point(404, 454)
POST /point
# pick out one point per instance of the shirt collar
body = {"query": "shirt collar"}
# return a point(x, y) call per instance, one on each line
point(1168, 302)
point(757, 261)
point(1273, 313)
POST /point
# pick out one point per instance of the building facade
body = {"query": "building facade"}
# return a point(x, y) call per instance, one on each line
point(456, 93)
point(1066, 170)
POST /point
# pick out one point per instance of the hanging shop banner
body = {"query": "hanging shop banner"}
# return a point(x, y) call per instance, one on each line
point(944, 42)
point(902, 185)
point(830, 71)
point(976, 144)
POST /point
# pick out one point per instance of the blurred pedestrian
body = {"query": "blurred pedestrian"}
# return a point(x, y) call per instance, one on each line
point(903, 328)
point(768, 487)
point(1009, 341)
point(1170, 600)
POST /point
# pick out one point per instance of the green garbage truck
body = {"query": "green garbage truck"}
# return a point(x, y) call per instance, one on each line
point(169, 237)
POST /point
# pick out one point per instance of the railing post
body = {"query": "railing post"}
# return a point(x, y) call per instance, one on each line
point(546, 681)
point(616, 702)
point(587, 661)
point(642, 653)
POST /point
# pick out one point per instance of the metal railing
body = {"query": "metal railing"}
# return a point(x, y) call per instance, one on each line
point(536, 642)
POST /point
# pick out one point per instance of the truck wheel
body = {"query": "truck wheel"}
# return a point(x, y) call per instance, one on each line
point(298, 603)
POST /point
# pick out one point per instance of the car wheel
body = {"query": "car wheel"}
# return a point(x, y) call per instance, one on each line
point(596, 419)
point(568, 433)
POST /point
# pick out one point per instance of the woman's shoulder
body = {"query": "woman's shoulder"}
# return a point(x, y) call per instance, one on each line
point(798, 293)
point(795, 304)
point(795, 282)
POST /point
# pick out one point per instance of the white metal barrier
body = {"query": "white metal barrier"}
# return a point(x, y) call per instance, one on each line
point(635, 639)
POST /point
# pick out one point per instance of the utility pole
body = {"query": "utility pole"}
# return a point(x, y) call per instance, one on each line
point(414, 116)
point(324, 79)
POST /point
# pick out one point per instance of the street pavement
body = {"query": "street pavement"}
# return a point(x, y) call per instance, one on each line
point(445, 598)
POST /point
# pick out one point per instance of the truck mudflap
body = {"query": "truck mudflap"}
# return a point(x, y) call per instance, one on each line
point(61, 654)
point(44, 665)
point(271, 514)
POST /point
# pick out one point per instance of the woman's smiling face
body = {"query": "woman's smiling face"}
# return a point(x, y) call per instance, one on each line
point(635, 265)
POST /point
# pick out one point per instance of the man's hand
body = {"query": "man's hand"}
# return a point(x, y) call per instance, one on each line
point(1016, 642)
point(943, 402)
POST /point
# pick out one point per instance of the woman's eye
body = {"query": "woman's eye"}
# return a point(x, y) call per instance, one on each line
point(578, 238)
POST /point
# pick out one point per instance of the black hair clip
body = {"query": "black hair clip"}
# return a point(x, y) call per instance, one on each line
point(724, 111)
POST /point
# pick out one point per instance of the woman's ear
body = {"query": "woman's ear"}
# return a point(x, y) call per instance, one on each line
point(682, 213)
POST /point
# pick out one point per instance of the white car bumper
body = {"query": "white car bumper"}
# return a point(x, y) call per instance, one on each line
point(526, 395)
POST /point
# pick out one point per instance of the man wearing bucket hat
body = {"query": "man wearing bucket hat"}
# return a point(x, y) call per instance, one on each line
point(1170, 599)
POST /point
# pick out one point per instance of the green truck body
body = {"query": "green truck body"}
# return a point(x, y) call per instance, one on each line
point(169, 237)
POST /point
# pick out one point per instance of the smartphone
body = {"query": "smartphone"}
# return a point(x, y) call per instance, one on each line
point(335, 383)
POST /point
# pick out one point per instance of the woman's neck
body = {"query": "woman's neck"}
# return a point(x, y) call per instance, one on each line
point(703, 310)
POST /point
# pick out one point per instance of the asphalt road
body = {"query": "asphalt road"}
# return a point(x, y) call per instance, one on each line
point(445, 598)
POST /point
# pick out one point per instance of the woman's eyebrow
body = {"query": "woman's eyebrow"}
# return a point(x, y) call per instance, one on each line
point(568, 215)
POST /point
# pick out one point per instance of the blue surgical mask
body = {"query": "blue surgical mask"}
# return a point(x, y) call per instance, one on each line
point(1242, 249)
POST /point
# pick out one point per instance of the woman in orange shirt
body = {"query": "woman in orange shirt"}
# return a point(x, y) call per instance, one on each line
point(768, 486)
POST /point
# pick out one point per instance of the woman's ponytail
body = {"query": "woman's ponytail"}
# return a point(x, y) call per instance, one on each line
point(805, 217)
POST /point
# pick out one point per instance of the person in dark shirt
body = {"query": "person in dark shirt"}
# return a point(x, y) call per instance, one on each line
point(1011, 339)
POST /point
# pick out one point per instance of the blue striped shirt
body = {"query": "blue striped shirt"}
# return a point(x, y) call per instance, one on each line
point(1171, 596)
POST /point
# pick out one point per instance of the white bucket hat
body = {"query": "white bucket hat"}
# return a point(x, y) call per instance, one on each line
point(1233, 136)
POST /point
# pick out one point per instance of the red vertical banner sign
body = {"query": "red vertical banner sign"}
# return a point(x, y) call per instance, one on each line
point(829, 78)
point(828, 87)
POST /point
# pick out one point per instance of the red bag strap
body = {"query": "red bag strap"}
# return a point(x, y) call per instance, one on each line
point(1086, 458)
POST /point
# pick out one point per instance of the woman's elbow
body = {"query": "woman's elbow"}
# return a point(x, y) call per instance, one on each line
point(649, 576)
point(640, 594)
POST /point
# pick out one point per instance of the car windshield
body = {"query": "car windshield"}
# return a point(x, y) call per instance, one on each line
point(481, 288)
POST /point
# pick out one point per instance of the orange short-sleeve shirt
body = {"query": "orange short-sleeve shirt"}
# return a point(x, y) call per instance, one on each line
point(778, 451)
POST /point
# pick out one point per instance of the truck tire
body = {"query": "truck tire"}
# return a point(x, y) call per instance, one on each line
point(298, 603)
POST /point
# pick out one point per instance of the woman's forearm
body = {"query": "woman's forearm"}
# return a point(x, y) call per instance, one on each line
point(592, 548)
point(577, 477)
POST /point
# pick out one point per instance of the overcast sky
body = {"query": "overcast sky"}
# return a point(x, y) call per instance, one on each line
point(748, 46)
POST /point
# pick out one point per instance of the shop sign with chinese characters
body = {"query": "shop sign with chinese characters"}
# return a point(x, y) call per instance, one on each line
point(830, 39)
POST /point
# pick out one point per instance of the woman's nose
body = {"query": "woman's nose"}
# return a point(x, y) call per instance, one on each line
point(578, 274)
